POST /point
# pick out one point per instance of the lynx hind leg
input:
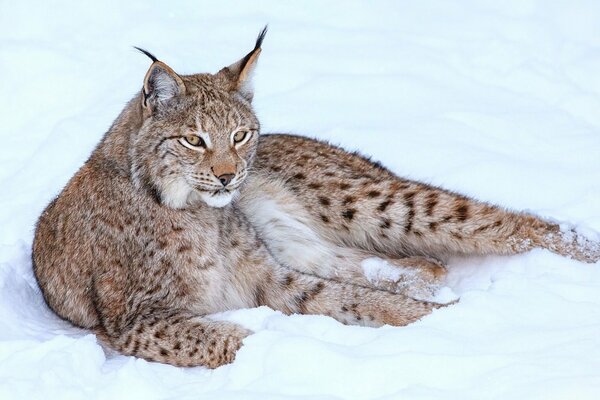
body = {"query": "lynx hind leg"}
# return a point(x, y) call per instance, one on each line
point(420, 278)
point(178, 339)
point(565, 241)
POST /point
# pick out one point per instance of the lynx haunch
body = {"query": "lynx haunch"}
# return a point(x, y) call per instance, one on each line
point(184, 210)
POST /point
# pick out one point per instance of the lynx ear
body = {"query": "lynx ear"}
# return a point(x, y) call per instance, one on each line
point(238, 76)
point(161, 83)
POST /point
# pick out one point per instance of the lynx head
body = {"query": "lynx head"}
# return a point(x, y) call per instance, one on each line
point(199, 133)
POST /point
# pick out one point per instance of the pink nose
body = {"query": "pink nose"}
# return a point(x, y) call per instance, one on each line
point(225, 178)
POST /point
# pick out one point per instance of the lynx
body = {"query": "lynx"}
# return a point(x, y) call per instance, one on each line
point(183, 210)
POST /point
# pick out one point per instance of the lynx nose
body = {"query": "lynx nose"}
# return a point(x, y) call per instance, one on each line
point(225, 178)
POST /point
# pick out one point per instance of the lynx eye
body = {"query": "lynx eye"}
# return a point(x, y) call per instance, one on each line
point(239, 136)
point(194, 140)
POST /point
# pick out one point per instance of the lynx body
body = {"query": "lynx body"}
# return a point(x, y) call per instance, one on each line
point(183, 210)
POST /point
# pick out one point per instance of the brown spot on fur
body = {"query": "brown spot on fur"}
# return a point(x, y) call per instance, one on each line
point(289, 279)
point(315, 185)
point(308, 295)
point(349, 214)
point(348, 200)
point(299, 176)
point(344, 186)
point(184, 248)
point(385, 223)
point(409, 217)
point(433, 226)
point(462, 211)
point(409, 196)
point(384, 205)
point(397, 185)
point(430, 203)
point(324, 201)
point(318, 288)
point(373, 193)
point(488, 226)
point(324, 218)
point(482, 228)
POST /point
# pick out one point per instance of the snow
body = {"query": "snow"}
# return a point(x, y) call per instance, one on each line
point(497, 100)
point(377, 269)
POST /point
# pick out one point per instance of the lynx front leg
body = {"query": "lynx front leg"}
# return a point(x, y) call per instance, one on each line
point(294, 292)
point(175, 338)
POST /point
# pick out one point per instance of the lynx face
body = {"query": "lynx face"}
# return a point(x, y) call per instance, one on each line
point(199, 134)
point(198, 147)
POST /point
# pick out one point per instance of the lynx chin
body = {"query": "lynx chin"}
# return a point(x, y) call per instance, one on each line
point(184, 210)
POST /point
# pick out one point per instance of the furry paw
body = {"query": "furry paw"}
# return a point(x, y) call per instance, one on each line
point(226, 345)
point(572, 244)
point(419, 278)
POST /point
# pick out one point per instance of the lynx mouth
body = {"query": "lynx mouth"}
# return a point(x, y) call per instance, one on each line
point(220, 192)
point(218, 198)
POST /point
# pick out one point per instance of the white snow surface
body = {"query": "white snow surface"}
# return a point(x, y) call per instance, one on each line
point(499, 100)
point(376, 269)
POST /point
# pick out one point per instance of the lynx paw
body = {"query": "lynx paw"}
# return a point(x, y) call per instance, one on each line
point(416, 277)
point(572, 244)
point(225, 350)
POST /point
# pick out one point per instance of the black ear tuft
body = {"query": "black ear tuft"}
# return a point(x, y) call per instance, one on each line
point(150, 55)
point(261, 37)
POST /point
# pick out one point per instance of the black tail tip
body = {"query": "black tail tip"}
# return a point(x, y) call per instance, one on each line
point(261, 37)
point(147, 53)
